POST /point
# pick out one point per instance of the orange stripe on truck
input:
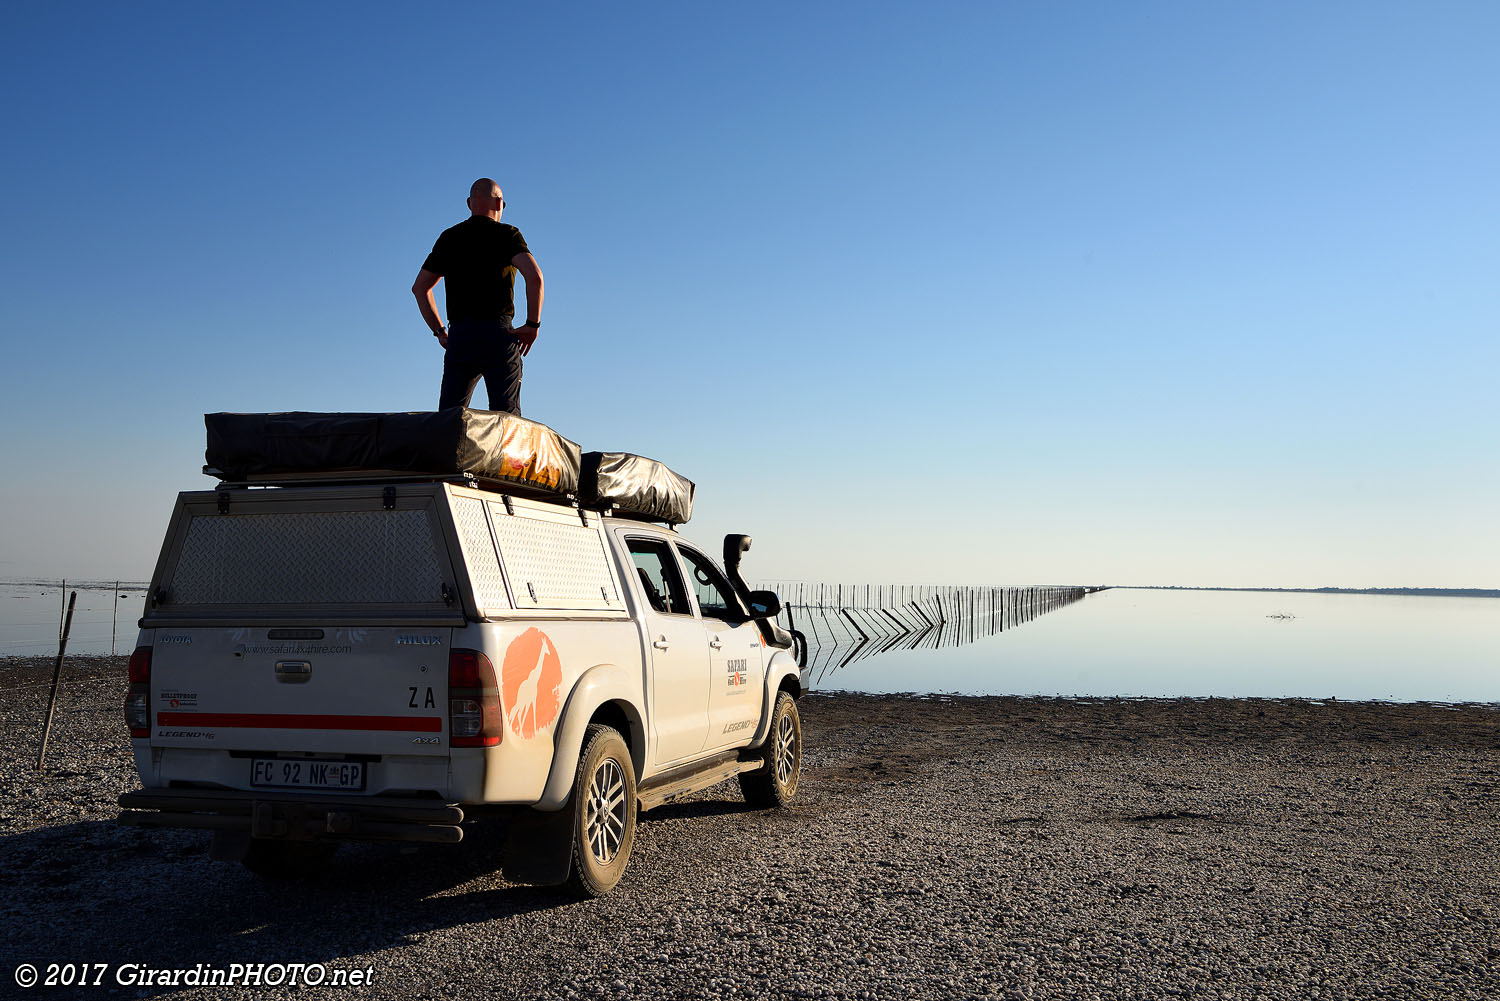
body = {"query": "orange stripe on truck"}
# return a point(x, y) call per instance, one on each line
point(303, 721)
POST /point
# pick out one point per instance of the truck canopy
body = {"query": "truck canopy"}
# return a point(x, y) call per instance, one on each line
point(426, 553)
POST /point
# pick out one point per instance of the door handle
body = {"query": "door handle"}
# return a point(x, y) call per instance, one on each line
point(293, 671)
point(715, 643)
point(661, 644)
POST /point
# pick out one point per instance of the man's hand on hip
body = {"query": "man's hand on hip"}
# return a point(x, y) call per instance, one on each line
point(442, 338)
point(527, 337)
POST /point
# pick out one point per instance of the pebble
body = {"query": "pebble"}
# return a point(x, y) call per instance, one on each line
point(1048, 848)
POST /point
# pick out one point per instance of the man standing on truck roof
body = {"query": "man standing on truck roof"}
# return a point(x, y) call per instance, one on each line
point(478, 259)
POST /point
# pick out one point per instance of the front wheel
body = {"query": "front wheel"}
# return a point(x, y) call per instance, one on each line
point(775, 784)
point(604, 808)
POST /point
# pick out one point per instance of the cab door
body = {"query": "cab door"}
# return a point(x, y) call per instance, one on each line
point(680, 667)
point(735, 651)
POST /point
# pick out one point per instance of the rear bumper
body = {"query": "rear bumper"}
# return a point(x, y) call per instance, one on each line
point(295, 818)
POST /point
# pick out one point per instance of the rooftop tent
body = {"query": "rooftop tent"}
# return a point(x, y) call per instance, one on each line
point(634, 484)
point(497, 447)
point(302, 445)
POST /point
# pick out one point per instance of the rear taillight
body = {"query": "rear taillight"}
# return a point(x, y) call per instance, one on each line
point(138, 695)
point(474, 717)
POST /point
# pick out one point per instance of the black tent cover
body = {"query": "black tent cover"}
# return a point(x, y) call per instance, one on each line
point(491, 444)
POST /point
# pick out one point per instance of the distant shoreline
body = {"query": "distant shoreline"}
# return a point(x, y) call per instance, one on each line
point(1419, 592)
point(80, 583)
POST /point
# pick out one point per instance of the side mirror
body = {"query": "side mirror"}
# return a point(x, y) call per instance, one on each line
point(765, 604)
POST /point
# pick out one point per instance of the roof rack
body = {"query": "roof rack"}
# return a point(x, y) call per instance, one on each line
point(382, 477)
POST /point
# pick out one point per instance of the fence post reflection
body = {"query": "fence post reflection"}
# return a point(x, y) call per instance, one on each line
point(844, 624)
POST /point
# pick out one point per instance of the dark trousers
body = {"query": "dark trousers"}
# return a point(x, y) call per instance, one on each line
point(482, 349)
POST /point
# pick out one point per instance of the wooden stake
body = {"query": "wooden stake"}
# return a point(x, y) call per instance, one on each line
point(62, 648)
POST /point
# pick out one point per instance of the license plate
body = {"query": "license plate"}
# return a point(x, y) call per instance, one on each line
point(281, 773)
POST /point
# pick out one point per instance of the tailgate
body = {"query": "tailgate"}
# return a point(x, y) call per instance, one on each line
point(336, 690)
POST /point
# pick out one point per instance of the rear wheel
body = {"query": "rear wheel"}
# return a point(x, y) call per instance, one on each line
point(775, 784)
point(604, 808)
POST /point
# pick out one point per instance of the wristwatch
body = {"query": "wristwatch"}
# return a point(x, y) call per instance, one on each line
point(533, 323)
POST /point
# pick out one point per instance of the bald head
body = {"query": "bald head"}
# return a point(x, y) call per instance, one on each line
point(486, 199)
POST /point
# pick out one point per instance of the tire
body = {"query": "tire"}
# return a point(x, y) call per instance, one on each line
point(285, 860)
point(604, 811)
point(775, 785)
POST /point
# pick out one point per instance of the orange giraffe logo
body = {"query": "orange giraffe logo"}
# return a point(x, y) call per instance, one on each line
point(530, 678)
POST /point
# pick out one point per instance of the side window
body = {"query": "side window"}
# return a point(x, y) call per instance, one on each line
point(656, 573)
point(715, 597)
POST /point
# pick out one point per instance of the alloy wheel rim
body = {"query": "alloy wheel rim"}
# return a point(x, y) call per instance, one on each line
point(786, 749)
point(604, 821)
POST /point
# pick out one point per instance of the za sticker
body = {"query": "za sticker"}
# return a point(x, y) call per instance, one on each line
point(529, 681)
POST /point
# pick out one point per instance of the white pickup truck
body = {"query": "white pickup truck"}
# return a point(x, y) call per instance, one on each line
point(384, 658)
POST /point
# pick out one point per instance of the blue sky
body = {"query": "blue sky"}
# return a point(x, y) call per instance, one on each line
point(981, 293)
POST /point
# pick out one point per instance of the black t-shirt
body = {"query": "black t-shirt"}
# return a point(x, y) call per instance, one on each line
point(474, 259)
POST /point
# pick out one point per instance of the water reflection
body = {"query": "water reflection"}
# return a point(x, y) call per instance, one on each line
point(1170, 644)
point(838, 625)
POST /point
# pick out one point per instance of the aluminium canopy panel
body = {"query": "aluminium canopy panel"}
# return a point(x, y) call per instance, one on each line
point(486, 443)
point(553, 560)
point(309, 558)
point(636, 485)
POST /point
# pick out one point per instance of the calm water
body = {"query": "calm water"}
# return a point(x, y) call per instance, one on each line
point(1205, 643)
point(31, 614)
point(1120, 642)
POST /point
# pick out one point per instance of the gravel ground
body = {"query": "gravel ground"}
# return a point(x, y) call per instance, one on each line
point(943, 847)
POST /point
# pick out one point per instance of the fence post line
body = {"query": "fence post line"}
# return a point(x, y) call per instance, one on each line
point(878, 618)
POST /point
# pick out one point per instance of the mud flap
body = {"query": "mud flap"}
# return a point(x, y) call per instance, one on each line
point(539, 845)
